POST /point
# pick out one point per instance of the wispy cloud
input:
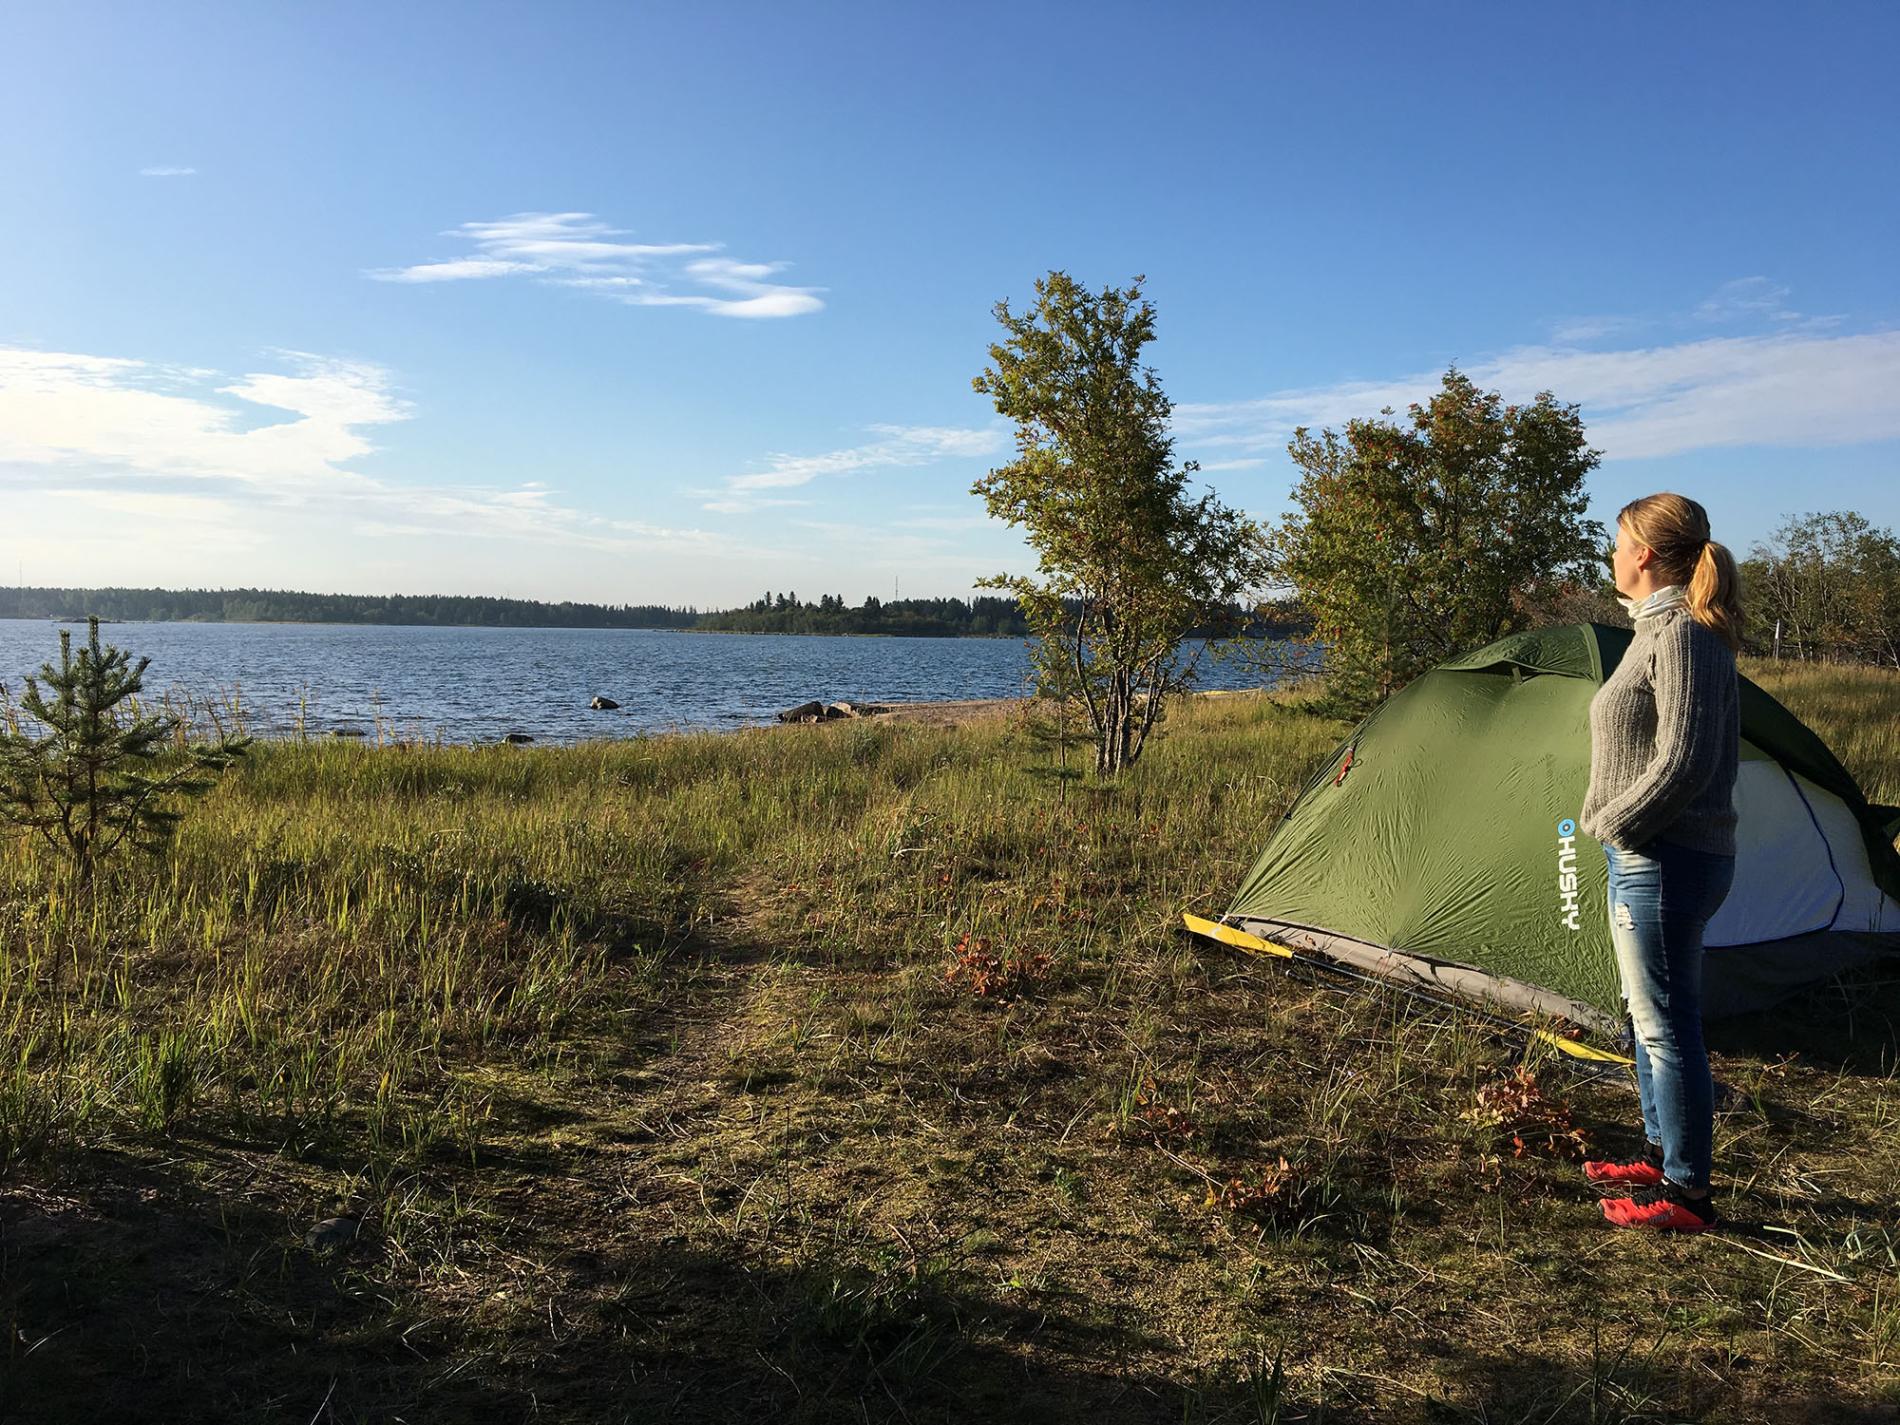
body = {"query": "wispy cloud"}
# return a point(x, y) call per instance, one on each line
point(1760, 302)
point(165, 170)
point(942, 552)
point(945, 523)
point(461, 269)
point(109, 413)
point(900, 446)
point(132, 436)
point(1795, 389)
point(532, 513)
point(1745, 298)
point(743, 504)
point(1575, 331)
point(580, 251)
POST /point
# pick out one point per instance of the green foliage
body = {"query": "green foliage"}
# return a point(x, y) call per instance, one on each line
point(101, 773)
point(1413, 541)
point(1129, 563)
point(1831, 582)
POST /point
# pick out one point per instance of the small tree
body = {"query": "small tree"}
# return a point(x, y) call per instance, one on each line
point(102, 773)
point(1130, 563)
point(1414, 541)
point(1049, 717)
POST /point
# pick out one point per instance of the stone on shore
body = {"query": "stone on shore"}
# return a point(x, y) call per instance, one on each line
point(815, 711)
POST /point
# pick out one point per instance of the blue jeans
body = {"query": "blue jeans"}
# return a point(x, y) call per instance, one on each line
point(1661, 897)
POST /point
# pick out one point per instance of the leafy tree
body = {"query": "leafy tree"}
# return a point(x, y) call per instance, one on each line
point(1413, 541)
point(1129, 561)
point(103, 773)
point(1572, 601)
point(1877, 599)
point(1829, 586)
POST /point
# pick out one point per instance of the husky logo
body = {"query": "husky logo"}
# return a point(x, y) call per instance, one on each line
point(1567, 873)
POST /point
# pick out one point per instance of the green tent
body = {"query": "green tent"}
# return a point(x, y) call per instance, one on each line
point(1439, 845)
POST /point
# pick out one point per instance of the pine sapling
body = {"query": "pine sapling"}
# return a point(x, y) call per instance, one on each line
point(98, 772)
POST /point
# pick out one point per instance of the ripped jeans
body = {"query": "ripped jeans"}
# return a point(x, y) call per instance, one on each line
point(1661, 897)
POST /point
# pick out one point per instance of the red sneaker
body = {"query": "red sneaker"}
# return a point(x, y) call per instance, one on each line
point(1666, 1208)
point(1642, 1170)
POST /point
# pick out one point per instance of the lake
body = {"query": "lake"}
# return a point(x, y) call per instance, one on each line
point(477, 684)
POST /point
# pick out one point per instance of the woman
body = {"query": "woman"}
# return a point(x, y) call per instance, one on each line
point(1665, 737)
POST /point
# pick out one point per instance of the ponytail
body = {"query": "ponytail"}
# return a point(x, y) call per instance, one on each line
point(1677, 528)
point(1715, 595)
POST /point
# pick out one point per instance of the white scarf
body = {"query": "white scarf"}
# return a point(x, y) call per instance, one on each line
point(1670, 596)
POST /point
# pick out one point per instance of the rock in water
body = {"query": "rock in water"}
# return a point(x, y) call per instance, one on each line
point(600, 704)
point(804, 712)
point(515, 739)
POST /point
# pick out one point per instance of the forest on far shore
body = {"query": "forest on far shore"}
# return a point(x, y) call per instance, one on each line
point(984, 616)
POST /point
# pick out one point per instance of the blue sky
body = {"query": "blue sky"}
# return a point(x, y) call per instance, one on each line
point(679, 304)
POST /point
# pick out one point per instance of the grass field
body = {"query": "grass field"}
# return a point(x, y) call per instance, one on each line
point(860, 1073)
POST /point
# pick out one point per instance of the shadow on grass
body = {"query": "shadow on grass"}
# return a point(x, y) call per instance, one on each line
point(136, 1295)
point(1634, 1374)
point(153, 1299)
point(1850, 1024)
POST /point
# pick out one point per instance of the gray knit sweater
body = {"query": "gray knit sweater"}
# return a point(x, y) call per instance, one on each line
point(1665, 739)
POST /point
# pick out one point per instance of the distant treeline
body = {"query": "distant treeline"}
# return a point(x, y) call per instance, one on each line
point(984, 616)
point(926, 618)
point(775, 613)
point(280, 606)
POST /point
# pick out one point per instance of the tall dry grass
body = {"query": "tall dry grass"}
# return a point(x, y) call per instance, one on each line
point(658, 1074)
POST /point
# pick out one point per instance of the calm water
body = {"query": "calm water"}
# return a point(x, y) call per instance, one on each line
point(475, 684)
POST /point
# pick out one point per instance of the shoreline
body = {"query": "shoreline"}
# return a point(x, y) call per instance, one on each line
point(935, 713)
point(958, 711)
point(954, 712)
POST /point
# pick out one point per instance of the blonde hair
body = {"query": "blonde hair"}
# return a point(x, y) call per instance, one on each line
point(1677, 529)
